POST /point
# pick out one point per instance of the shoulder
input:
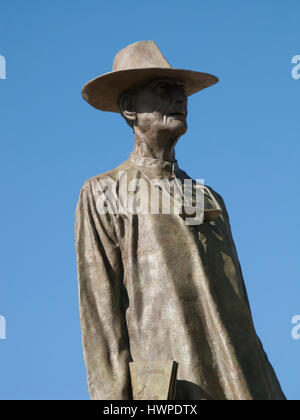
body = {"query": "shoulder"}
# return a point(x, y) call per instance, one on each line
point(109, 178)
point(220, 200)
point(217, 196)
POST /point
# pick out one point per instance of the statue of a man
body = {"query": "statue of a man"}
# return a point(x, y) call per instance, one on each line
point(152, 286)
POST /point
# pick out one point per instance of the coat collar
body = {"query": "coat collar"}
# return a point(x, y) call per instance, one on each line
point(156, 167)
point(160, 167)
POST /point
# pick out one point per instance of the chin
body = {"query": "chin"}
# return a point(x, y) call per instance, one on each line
point(175, 128)
point(178, 128)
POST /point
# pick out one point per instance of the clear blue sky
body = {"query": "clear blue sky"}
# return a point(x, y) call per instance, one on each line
point(243, 139)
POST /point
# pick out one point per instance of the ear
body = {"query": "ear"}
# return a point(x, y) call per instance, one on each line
point(127, 108)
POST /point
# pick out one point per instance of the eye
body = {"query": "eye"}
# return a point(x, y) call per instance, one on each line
point(162, 86)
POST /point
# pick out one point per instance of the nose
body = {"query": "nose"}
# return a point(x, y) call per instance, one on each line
point(180, 101)
point(180, 98)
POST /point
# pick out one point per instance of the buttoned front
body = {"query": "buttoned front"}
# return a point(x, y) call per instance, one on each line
point(152, 287)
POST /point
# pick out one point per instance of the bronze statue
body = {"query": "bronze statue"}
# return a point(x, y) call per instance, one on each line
point(152, 286)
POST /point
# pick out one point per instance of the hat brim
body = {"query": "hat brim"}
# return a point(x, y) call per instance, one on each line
point(104, 91)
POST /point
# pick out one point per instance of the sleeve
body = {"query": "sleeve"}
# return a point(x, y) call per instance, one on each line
point(234, 250)
point(103, 326)
point(274, 389)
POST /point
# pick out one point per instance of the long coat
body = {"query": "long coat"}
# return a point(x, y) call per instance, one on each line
point(152, 287)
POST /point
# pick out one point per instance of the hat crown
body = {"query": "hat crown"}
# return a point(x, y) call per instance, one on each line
point(135, 65)
point(140, 55)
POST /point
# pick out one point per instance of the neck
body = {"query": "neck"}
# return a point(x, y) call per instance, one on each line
point(161, 148)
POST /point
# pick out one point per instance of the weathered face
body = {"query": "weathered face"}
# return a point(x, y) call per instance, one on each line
point(161, 105)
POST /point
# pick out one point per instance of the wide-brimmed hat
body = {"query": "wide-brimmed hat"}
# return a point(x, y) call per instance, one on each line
point(135, 65)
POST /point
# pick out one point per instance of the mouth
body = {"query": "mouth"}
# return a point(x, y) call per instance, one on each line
point(177, 114)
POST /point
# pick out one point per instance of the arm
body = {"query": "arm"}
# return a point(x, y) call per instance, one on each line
point(100, 272)
point(272, 384)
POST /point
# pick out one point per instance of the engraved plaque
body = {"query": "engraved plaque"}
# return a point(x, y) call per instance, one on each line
point(153, 380)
